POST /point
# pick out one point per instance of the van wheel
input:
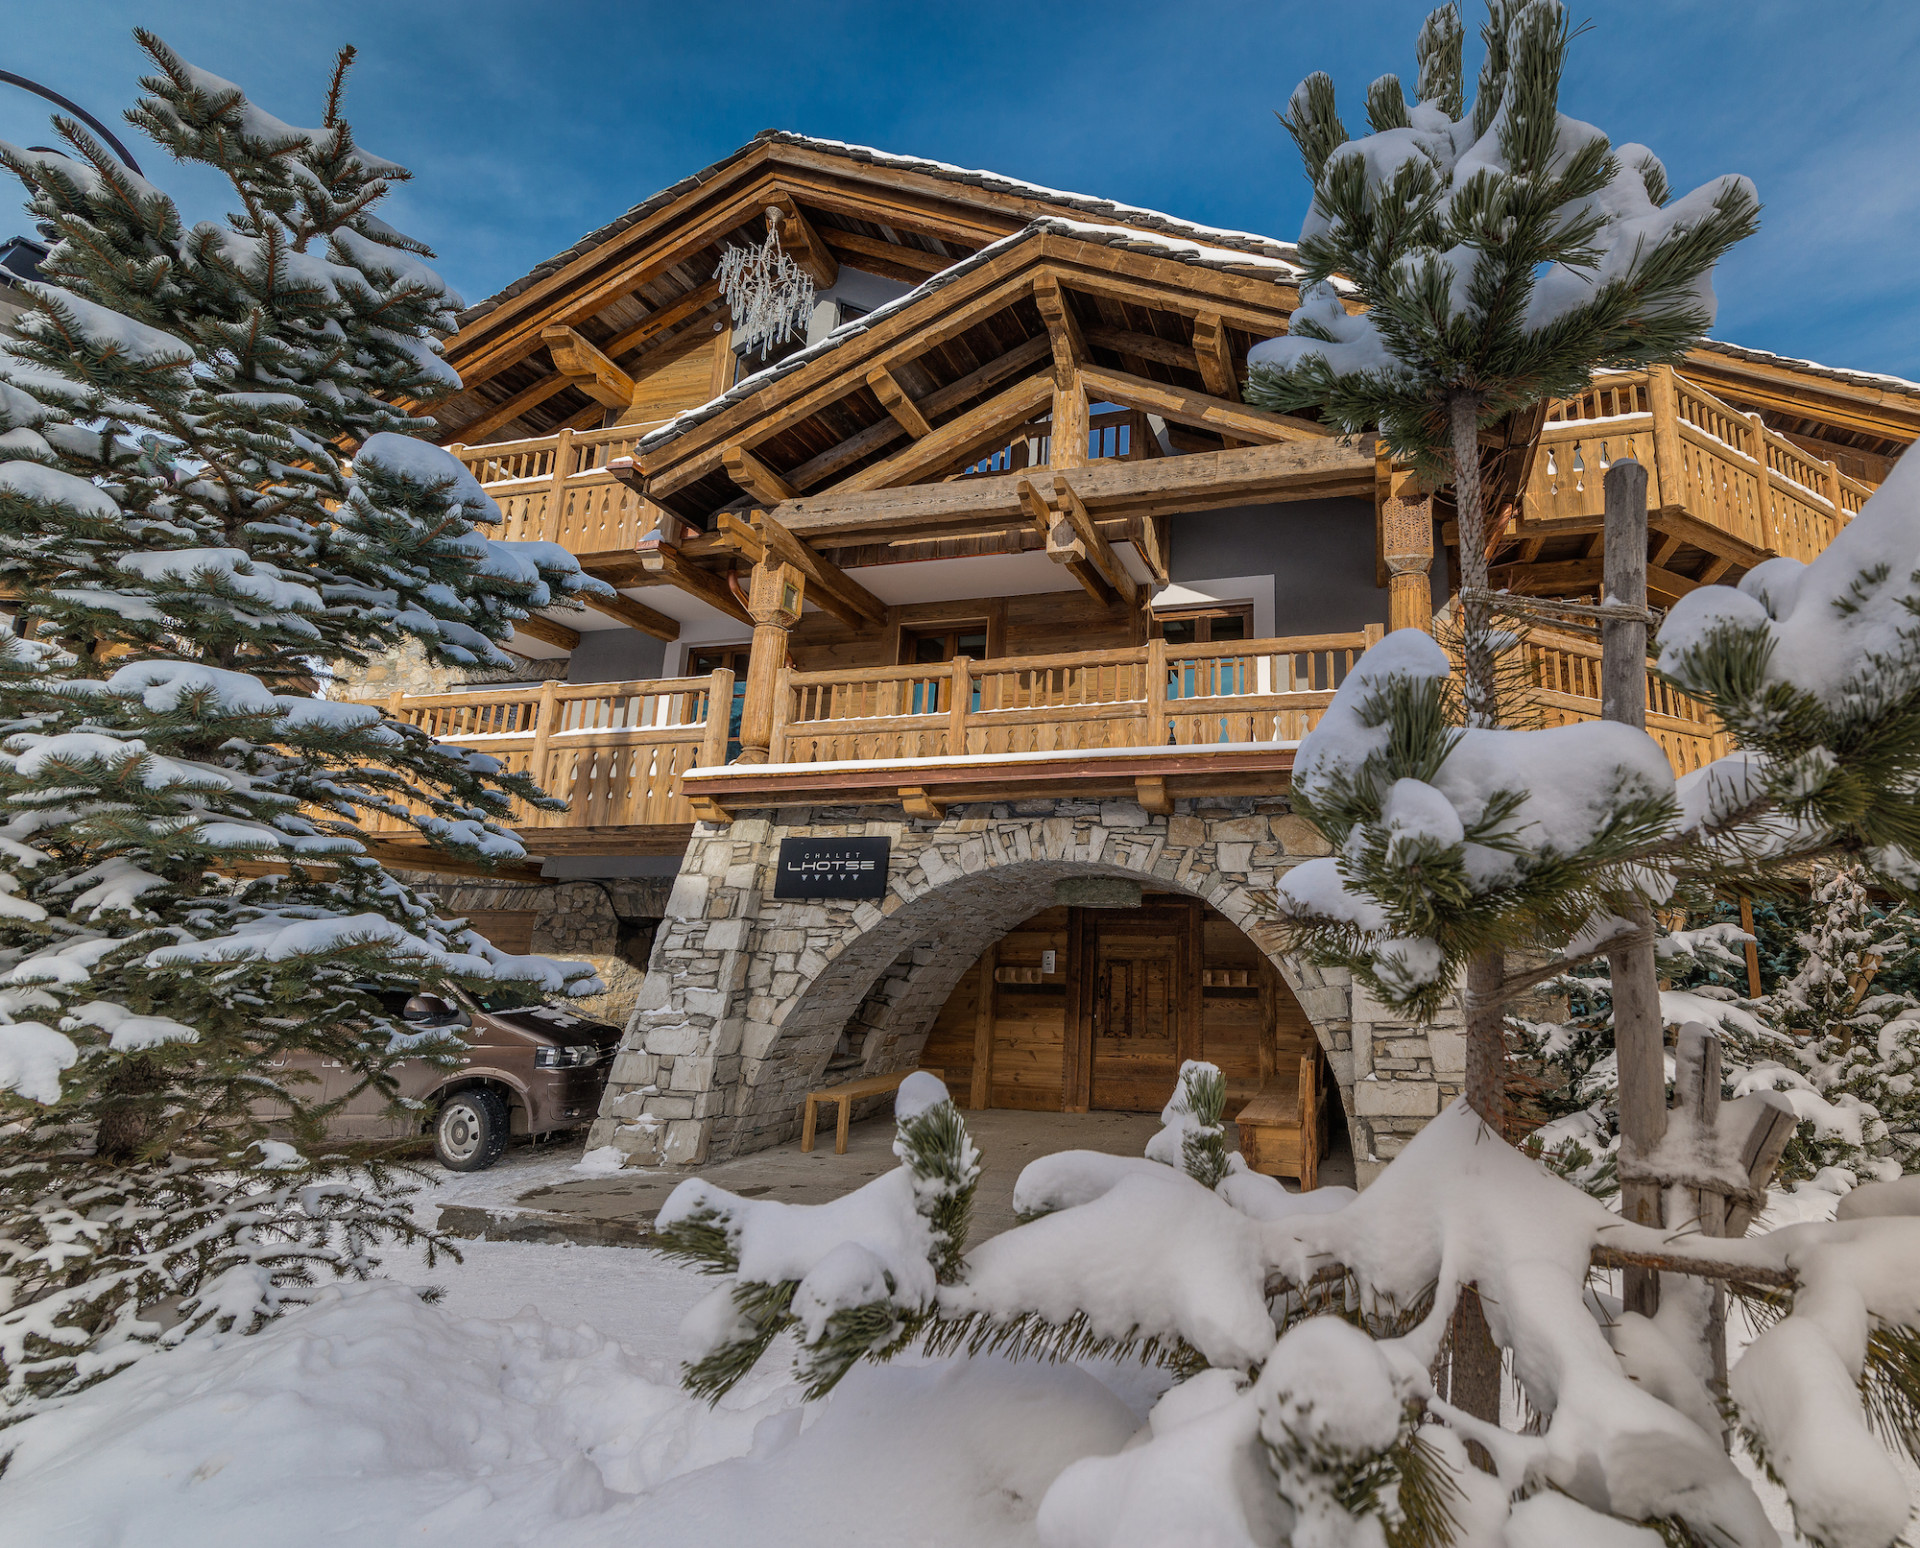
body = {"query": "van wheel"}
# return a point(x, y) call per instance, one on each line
point(471, 1131)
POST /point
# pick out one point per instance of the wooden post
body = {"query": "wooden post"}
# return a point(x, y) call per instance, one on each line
point(1753, 949)
point(1406, 532)
point(713, 745)
point(557, 486)
point(1636, 992)
point(982, 1094)
point(774, 601)
point(1669, 470)
point(1153, 731)
point(782, 708)
point(1769, 524)
point(1070, 425)
point(959, 701)
point(542, 730)
point(1696, 1090)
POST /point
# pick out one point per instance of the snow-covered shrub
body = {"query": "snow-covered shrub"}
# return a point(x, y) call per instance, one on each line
point(853, 1277)
point(186, 904)
point(1192, 1135)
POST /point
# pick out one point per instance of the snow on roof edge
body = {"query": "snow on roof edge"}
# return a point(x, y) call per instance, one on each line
point(1251, 242)
point(1840, 373)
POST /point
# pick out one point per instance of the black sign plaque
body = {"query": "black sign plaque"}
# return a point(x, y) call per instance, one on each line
point(832, 868)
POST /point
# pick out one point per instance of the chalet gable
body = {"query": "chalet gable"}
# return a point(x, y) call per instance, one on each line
point(641, 291)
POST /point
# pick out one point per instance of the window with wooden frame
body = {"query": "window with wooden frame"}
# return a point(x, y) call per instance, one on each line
point(1207, 624)
point(702, 659)
point(933, 645)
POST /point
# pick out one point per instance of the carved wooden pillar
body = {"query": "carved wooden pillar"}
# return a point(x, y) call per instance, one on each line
point(1406, 532)
point(774, 600)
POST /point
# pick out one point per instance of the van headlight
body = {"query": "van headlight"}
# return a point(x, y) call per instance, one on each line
point(549, 1056)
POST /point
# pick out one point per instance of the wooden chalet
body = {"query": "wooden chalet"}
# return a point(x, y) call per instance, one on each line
point(997, 542)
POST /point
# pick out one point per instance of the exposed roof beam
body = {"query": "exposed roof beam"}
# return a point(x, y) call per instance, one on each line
point(663, 564)
point(660, 320)
point(547, 632)
point(802, 243)
point(754, 476)
point(1569, 575)
point(784, 403)
point(1198, 409)
point(864, 442)
point(1143, 346)
point(505, 413)
point(1063, 544)
point(828, 586)
point(589, 370)
point(636, 615)
point(893, 398)
point(1287, 470)
point(1099, 553)
point(1213, 353)
point(946, 445)
point(917, 259)
point(1063, 328)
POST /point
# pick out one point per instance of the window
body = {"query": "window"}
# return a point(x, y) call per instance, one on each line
point(734, 658)
point(931, 647)
point(1210, 625)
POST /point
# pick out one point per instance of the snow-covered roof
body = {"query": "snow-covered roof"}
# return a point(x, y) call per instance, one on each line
point(1811, 367)
point(1133, 217)
point(1279, 270)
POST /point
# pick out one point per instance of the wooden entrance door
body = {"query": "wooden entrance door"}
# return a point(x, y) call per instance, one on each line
point(1139, 1005)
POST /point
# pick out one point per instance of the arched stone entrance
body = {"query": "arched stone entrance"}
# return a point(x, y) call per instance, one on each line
point(747, 995)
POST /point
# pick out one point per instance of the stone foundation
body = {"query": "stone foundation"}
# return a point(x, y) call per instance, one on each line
point(747, 996)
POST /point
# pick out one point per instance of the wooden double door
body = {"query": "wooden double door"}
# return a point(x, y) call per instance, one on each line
point(1139, 1011)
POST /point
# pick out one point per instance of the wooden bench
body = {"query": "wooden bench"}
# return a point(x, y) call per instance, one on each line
point(846, 1096)
point(1280, 1129)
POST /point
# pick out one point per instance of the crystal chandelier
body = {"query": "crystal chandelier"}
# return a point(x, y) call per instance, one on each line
point(768, 293)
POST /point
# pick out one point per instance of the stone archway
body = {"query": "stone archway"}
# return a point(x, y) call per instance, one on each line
point(747, 995)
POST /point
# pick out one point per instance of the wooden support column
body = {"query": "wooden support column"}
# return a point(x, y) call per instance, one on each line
point(981, 1096)
point(774, 601)
point(1070, 416)
point(1406, 535)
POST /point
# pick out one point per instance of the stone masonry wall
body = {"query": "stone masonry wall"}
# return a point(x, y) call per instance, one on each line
point(747, 997)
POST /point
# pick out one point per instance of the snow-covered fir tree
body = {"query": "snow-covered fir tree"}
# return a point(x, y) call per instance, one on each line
point(191, 549)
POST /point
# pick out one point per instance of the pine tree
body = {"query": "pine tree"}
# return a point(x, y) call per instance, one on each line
point(1497, 256)
point(191, 550)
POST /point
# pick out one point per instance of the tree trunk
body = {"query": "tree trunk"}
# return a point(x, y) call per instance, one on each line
point(129, 1115)
point(1475, 1375)
point(1476, 615)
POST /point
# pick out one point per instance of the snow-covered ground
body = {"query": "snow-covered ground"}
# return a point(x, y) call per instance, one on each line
point(537, 1402)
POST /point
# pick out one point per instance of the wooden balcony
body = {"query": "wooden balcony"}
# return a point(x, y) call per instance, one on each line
point(639, 762)
point(557, 489)
point(615, 752)
point(1725, 492)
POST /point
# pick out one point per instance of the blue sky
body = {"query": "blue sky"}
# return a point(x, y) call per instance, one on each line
point(527, 125)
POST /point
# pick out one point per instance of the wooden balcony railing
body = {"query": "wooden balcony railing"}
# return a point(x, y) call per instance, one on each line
point(1565, 673)
point(1154, 695)
point(1714, 463)
point(616, 752)
point(557, 489)
point(613, 751)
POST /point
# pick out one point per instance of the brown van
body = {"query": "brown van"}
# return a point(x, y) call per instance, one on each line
point(532, 1068)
